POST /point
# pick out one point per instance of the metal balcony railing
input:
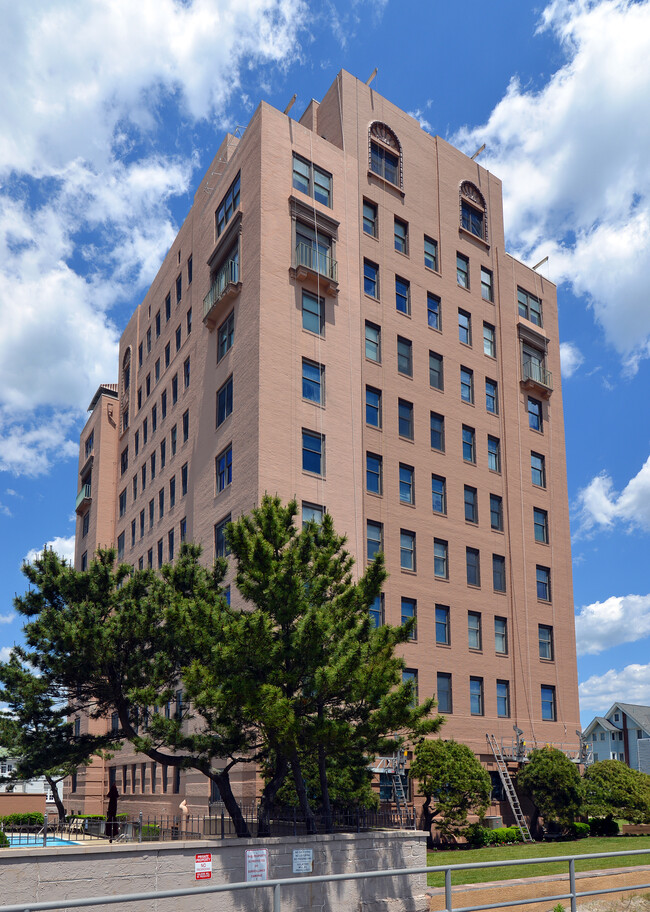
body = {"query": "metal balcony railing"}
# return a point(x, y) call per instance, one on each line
point(317, 261)
point(534, 371)
point(84, 494)
point(227, 275)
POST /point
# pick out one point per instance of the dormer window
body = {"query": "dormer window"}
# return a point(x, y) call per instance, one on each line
point(473, 212)
point(385, 153)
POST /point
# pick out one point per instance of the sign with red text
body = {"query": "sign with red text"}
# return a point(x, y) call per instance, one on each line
point(257, 864)
point(203, 866)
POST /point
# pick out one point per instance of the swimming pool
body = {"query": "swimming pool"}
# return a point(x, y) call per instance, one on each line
point(32, 839)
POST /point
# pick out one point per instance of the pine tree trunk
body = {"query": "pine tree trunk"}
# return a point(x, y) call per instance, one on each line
point(57, 799)
point(268, 796)
point(241, 827)
point(324, 788)
point(301, 791)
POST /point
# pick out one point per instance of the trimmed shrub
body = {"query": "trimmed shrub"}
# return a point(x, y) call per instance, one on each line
point(603, 826)
point(32, 819)
point(478, 835)
point(150, 832)
point(579, 830)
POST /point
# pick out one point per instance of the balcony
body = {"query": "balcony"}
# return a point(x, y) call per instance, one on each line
point(535, 376)
point(83, 499)
point(225, 286)
point(312, 262)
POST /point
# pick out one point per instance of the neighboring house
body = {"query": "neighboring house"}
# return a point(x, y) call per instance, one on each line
point(618, 735)
point(36, 786)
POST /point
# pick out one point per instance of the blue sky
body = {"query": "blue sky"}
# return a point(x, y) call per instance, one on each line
point(112, 111)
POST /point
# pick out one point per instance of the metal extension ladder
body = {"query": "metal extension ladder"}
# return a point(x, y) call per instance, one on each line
point(509, 788)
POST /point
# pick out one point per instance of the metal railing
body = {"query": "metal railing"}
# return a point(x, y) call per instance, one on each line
point(227, 275)
point(277, 885)
point(317, 260)
point(534, 371)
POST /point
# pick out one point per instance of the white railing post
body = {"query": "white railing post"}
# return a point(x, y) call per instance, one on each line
point(44, 830)
point(572, 883)
point(277, 899)
point(448, 889)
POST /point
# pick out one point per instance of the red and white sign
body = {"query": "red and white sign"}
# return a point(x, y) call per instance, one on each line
point(203, 866)
point(257, 864)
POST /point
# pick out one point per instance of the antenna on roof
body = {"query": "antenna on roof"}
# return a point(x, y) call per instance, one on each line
point(291, 104)
point(541, 263)
point(478, 152)
point(372, 76)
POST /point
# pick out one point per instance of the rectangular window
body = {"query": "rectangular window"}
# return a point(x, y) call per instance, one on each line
point(540, 524)
point(436, 377)
point(160, 553)
point(503, 699)
point(443, 691)
point(313, 313)
point(143, 474)
point(474, 637)
point(491, 396)
point(440, 559)
point(163, 405)
point(373, 342)
point(543, 579)
point(157, 324)
point(313, 386)
point(174, 389)
point(186, 426)
point(498, 573)
point(443, 637)
point(476, 696)
point(148, 340)
point(548, 703)
point(501, 635)
point(469, 444)
point(373, 407)
point(189, 321)
point(430, 253)
point(487, 291)
point(172, 491)
point(228, 205)
point(409, 613)
point(224, 469)
point(147, 385)
point(140, 355)
point(405, 418)
point(168, 306)
point(534, 414)
point(371, 278)
point(434, 316)
point(186, 373)
point(85, 524)
point(472, 561)
point(312, 513)
point(226, 335)
point(184, 473)
point(224, 401)
point(124, 460)
point(150, 559)
point(313, 452)
point(220, 544)
point(373, 473)
point(384, 163)
point(410, 676)
point(179, 288)
point(137, 442)
point(170, 545)
point(154, 419)
point(370, 225)
point(494, 454)
point(161, 503)
point(401, 236)
point(407, 550)
point(374, 539)
point(545, 641)
point(496, 512)
point(377, 611)
point(437, 432)
point(120, 547)
point(406, 484)
point(466, 384)
point(439, 494)
point(183, 529)
point(312, 180)
point(464, 327)
point(402, 295)
point(173, 437)
point(122, 502)
point(530, 307)
point(152, 513)
point(178, 338)
point(489, 340)
point(538, 469)
point(462, 270)
point(404, 356)
point(471, 504)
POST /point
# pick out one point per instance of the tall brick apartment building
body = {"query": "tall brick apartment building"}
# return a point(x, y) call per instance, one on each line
point(338, 320)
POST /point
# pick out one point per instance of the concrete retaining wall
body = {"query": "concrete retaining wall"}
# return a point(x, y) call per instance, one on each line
point(85, 871)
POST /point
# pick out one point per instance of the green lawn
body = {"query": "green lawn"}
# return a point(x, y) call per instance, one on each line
point(539, 850)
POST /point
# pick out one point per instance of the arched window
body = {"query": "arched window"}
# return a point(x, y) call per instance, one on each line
point(126, 369)
point(385, 153)
point(473, 212)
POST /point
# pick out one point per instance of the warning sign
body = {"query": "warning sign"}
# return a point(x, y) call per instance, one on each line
point(303, 861)
point(257, 864)
point(203, 866)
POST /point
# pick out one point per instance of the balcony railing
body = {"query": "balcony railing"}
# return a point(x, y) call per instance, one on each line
point(83, 498)
point(227, 277)
point(536, 373)
point(309, 257)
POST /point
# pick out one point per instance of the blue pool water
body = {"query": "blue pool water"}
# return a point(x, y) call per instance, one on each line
point(31, 839)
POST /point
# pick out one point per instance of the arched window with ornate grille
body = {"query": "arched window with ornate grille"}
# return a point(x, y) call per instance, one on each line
point(385, 153)
point(473, 211)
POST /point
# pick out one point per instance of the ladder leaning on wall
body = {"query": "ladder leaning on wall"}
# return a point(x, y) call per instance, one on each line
point(509, 788)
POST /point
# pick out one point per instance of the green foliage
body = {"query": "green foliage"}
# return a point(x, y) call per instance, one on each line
point(4, 841)
point(478, 835)
point(150, 832)
point(579, 830)
point(32, 819)
point(613, 789)
point(559, 908)
point(453, 782)
point(553, 783)
point(603, 826)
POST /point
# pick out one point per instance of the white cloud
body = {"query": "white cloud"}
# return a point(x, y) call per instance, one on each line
point(418, 114)
point(64, 547)
point(7, 618)
point(573, 159)
point(601, 506)
point(5, 652)
point(571, 358)
point(619, 619)
point(630, 684)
